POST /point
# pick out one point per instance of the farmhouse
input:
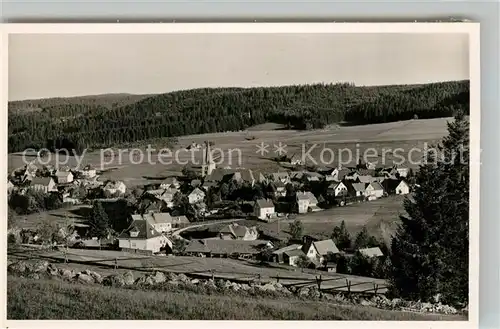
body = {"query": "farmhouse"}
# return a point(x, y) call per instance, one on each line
point(356, 189)
point(316, 251)
point(226, 248)
point(313, 176)
point(264, 209)
point(196, 196)
point(291, 257)
point(170, 182)
point(395, 186)
point(179, 221)
point(234, 231)
point(337, 189)
point(141, 235)
point(162, 222)
point(307, 202)
point(374, 191)
point(64, 177)
point(278, 254)
point(43, 184)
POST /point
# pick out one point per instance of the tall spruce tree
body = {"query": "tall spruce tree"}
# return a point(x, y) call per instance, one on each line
point(430, 250)
point(98, 221)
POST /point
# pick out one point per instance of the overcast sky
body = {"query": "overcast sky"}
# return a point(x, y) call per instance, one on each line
point(59, 65)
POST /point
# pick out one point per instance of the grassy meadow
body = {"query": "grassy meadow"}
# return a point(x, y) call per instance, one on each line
point(56, 300)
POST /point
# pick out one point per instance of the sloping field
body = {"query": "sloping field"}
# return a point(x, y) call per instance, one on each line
point(236, 150)
point(222, 267)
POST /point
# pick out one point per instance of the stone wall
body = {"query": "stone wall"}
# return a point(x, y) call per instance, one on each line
point(171, 281)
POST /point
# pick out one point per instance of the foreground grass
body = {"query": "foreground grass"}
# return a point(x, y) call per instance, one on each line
point(48, 299)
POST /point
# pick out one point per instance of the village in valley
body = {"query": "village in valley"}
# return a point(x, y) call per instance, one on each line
point(282, 184)
point(159, 216)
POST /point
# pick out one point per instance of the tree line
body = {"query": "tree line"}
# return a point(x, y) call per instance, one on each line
point(88, 123)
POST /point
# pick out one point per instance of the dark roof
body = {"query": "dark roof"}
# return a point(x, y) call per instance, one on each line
point(366, 172)
point(342, 173)
point(219, 246)
point(263, 203)
point(41, 181)
point(245, 174)
point(218, 174)
point(145, 229)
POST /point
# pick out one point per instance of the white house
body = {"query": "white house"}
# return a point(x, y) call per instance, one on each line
point(161, 221)
point(114, 188)
point(264, 209)
point(317, 251)
point(337, 189)
point(197, 195)
point(374, 190)
point(64, 176)
point(141, 235)
point(43, 184)
point(306, 202)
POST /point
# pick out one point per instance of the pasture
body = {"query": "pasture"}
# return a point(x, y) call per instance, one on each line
point(103, 261)
point(391, 141)
point(380, 217)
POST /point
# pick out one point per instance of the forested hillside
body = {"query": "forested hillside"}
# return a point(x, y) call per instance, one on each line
point(100, 121)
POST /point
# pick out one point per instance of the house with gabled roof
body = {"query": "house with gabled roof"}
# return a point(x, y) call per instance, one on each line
point(371, 252)
point(264, 209)
point(234, 231)
point(317, 251)
point(306, 202)
point(280, 189)
point(374, 190)
point(141, 235)
point(196, 196)
point(337, 189)
point(226, 248)
point(355, 189)
point(396, 186)
point(161, 221)
point(338, 174)
point(64, 176)
point(43, 184)
point(244, 176)
point(278, 255)
point(180, 221)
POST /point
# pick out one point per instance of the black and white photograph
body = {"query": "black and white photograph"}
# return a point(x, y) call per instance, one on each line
point(325, 172)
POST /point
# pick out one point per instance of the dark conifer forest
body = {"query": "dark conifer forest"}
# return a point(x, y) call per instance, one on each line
point(106, 120)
